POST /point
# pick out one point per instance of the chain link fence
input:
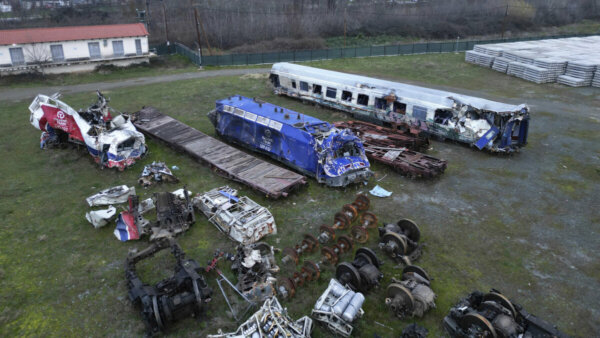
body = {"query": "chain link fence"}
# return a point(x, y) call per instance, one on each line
point(337, 53)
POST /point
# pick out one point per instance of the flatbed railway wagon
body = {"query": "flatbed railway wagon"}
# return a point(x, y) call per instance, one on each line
point(332, 156)
point(494, 126)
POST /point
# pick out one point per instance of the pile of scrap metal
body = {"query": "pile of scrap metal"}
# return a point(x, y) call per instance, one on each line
point(400, 241)
point(397, 148)
point(182, 295)
point(115, 195)
point(338, 308)
point(494, 315)
point(313, 147)
point(112, 141)
point(240, 218)
point(255, 268)
point(271, 321)
point(410, 296)
point(156, 172)
point(174, 215)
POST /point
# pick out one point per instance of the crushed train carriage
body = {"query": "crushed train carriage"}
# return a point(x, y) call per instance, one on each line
point(497, 127)
point(315, 148)
point(113, 142)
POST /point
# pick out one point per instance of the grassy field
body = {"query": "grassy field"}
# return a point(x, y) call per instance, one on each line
point(527, 225)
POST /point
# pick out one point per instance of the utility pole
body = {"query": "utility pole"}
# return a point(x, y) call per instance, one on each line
point(344, 27)
point(203, 32)
point(197, 31)
point(504, 20)
point(148, 14)
point(165, 21)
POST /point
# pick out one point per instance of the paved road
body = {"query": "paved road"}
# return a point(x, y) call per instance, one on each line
point(28, 93)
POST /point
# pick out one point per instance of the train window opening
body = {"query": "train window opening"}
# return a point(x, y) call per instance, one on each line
point(317, 89)
point(346, 96)
point(381, 103)
point(442, 116)
point(293, 84)
point(399, 107)
point(331, 92)
point(419, 113)
point(348, 149)
point(362, 99)
point(303, 86)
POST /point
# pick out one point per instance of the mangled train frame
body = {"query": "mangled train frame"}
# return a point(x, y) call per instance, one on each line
point(495, 126)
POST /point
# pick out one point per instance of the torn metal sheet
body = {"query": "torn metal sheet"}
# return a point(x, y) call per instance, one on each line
point(156, 172)
point(173, 217)
point(182, 295)
point(447, 115)
point(271, 320)
point(99, 218)
point(113, 142)
point(240, 218)
point(313, 147)
point(114, 195)
point(494, 315)
point(338, 308)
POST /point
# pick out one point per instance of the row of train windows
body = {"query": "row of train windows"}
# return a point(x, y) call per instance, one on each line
point(362, 99)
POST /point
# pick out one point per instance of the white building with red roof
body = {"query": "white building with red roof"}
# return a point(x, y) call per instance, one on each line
point(75, 48)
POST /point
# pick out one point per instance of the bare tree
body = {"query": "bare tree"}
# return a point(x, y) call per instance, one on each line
point(37, 55)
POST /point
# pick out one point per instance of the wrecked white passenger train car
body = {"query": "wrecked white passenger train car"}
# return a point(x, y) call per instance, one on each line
point(113, 142)
point(485, 124)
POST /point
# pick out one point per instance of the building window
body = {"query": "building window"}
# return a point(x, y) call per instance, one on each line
point(57, 53)
point(105, 43)
point(346, 96)
point(419, 113)
point(16, 56)
point(362, 99)
point(94, 48)
point(138, 46)
point(317, 89)
point(331, 92)
point(303, 86)
point(118, 48)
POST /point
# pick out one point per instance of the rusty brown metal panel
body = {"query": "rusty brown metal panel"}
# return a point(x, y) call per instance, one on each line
point(260, 175)
point(397, 147)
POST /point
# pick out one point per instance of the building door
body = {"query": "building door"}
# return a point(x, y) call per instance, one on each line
point(138, 46)
point(57, 53)
point(94, 48)
point(118, 48)
point(16, 56)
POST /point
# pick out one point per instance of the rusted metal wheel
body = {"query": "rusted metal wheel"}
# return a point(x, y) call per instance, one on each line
point(350, 211)
point(362, 202)
point(291, 253)
point(399, 240)
point(417, 270)
point(312, 270)
point(475, 319)
point(288, 285)
point(329, 230)
point(311, 242)
point(298, 278)
point(401, 308)
point(329, 255)
point(346, 273)
point(359, 234)
point(502, 300)
point(368, 220)
point(345, 243)
point(410, 229)
point(341, 221)
point(263, 247)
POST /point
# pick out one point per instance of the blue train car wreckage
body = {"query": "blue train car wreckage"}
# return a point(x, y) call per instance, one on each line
point(313, 147)
point(494, 126)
